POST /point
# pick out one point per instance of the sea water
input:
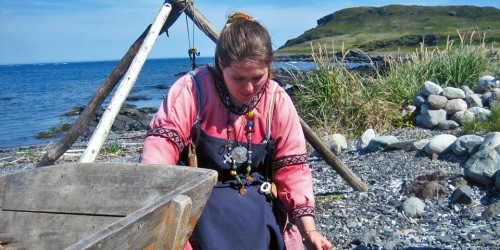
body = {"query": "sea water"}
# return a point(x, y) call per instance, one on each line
point(34, 97)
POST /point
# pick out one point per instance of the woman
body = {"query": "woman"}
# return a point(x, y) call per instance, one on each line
point(245, 127)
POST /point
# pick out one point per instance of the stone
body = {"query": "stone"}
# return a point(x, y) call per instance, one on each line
point(447, 125)
point(437, 101)
point(491, 141)
point(420, 144)
point(419, 99)
point(455, 105)
point(485, 98)
point(341, 140)
point(463, 117)
point(424, 108)
point(431, 88)
point(480, 114)
point(467, 90)
point(365, 139)
point(466, 145)
point(494, 99)
point(413, 206)
point(431, 118)
point(380, 143)
point(485, 83)
point(331, 144)
point(462, 195)
point(482, 166)
point(473, 101)
point(440, 144)
point(453, 93)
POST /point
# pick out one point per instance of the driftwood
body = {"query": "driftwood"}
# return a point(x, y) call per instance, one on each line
point(101, 132)
point(100, 95)
point(352, 179)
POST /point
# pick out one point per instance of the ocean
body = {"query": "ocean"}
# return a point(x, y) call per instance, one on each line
point(34, 97)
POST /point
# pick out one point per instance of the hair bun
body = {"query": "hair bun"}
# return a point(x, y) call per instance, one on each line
point(236, 15)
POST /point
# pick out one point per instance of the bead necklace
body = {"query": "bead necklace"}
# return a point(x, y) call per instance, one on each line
point(240, 154)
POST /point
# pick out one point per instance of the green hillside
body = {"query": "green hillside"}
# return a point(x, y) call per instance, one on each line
point(393, 27)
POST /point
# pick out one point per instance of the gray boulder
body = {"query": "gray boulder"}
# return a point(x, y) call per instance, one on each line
point(482, 166)
point(473, 101)
point(431, 118)
point(467, 90)
point(455, 105)
point(430, 88)
point(491, 141)
point(462, 117)
point(437, 101)
point(365, 139)
point(381, 142)
point(466, 145)
point(413, 206)
point(485, 83)
point(448, 125)
point(453, 93)
point(419, 99)
point(462, 195)
point(480, 114)
point(440, 144)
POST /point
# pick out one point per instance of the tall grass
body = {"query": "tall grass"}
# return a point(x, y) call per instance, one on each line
point(338, 100)
point(455, 65)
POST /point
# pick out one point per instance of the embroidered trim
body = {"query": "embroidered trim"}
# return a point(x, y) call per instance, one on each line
point(289, 160)
point(302, 211)
point(245, 107)
point(168, 134)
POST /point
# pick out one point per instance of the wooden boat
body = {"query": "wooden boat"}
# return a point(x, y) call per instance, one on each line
point(102, 206)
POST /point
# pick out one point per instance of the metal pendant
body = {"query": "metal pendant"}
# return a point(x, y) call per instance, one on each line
point(240, 154)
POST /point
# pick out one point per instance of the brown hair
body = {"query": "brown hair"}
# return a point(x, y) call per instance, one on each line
point(243, 38)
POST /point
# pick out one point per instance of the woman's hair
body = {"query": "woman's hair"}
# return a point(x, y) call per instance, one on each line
point(243, 39)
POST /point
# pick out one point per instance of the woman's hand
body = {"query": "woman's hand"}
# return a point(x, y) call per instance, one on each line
point(313, 240)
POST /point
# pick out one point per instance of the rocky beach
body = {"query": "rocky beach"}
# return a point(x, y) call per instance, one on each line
point(425, 189)
point(360, 220)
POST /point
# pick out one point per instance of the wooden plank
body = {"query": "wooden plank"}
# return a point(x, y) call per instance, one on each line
point(104, 188)
point(142, 228)
point(30, 230)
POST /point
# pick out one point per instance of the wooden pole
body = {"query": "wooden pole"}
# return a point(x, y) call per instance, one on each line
point(100, 95)
point(198, 18)
point(352, 179)
point(101, 132)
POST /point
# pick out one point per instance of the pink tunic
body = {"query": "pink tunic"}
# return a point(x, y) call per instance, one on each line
point(175, 118)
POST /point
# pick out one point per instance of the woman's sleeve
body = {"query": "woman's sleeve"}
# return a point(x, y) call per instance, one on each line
point(169, 130)
point(292, 174)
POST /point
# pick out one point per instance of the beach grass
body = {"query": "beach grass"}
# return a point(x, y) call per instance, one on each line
point(338, 100)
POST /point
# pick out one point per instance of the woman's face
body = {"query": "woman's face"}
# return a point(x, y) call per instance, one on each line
point(244, 79)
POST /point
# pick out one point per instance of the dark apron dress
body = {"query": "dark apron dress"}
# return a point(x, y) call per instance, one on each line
point(231, 220)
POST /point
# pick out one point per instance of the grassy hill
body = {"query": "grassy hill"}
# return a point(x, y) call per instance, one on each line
point(393, 27)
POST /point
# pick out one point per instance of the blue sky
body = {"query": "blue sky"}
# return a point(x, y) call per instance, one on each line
point(42, 31)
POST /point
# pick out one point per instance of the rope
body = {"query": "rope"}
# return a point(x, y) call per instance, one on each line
point(192, 51)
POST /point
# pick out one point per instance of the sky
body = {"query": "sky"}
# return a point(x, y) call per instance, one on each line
point(54, 31)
